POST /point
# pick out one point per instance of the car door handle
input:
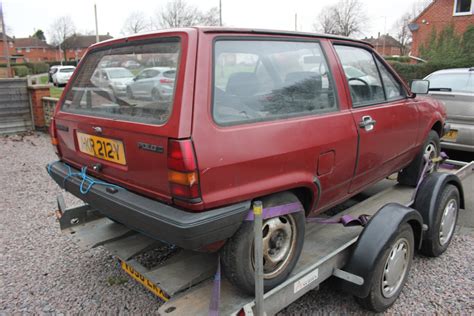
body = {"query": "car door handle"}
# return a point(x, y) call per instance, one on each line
point(367, 123)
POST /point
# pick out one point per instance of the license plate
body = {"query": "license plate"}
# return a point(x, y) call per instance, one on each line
point(451, 136)
point(147, 283)
point(103, 148)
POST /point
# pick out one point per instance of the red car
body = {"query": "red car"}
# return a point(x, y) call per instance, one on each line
point(299, 121)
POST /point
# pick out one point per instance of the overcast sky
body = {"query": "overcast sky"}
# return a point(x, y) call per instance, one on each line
point(23, 17)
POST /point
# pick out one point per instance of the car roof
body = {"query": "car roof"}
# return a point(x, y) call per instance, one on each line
point(220, 29)
point(452, 71)
point(113, 68)
point(63, 67)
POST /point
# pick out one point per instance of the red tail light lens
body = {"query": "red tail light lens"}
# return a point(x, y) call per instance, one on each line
point(54, 136)
point(182, 170)
point(166, 81)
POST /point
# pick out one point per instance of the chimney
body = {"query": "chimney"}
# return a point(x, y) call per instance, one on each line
point(378, 35)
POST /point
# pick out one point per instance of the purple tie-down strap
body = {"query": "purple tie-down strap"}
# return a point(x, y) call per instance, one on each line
point(216, 291)
point(275, 211)
point(345, 220)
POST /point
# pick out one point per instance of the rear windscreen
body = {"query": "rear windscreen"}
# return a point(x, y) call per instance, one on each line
point(116, 83)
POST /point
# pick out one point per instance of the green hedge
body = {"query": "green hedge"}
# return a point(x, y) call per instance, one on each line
point(419, 71)
point(21, 71)
point(402, 59)
point(39, 68)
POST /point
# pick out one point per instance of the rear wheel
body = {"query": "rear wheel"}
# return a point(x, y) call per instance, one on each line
point(431, 149)
point(283, 238)
point(391, 272)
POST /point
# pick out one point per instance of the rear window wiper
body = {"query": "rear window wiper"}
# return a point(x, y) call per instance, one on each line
point(441, 89)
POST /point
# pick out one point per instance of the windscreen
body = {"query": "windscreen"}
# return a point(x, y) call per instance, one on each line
point(110, 82)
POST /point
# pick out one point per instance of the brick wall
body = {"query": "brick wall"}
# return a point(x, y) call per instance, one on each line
point(37, 93)
point(437, 16)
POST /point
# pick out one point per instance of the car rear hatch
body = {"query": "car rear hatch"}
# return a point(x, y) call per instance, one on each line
point(120, 138)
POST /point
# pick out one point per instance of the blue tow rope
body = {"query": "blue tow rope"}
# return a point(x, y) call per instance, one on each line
point(86, 182)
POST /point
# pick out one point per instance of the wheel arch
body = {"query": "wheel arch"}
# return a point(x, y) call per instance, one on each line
point(381, 230)
point(438, 128)
point(430, 191)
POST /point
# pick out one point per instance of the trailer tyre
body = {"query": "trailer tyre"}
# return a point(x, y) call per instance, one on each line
point(441, 231)
point(283, 239)
point(431, 149)
point(391, 272)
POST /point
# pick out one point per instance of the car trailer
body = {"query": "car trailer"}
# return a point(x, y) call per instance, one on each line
point(359, 257)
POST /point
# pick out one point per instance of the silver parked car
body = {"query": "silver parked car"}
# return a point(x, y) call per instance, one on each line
point(115, 78)
point(156, 83)
point(455, 88)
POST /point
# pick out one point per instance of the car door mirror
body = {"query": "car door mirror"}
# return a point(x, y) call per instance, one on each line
point(420, 86)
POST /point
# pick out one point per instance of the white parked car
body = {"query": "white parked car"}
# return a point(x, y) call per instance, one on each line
point(62, 75)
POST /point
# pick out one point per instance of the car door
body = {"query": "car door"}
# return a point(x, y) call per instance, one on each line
point(138, 85)
point(149, 82)
point(387, 120)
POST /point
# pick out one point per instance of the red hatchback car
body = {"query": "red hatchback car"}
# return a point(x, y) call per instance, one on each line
point(299, 121)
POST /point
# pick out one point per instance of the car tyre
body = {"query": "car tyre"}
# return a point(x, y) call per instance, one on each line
point(387, 281)
point(431, 149)
point(436, 241)
point(279, 232)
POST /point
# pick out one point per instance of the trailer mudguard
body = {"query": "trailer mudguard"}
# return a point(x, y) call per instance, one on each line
point(429, 193)
point(374, 239)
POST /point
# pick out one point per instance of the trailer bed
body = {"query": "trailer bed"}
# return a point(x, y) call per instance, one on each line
point(185, 280)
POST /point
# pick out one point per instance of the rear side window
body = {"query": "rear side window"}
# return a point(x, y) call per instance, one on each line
point(451, 82)
point(259, 80)
point(362, 75)
point(103, 88)
point(67, 70)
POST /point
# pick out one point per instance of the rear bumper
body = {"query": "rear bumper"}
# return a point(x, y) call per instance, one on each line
point(157, 220)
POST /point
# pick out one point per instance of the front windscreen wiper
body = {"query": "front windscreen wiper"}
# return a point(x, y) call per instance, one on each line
point(441, 89)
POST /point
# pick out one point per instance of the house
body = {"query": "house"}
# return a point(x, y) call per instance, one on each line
point(77, 45)
point(438, 15)
point(10, 46)
point(385, 45)
point(32, 49)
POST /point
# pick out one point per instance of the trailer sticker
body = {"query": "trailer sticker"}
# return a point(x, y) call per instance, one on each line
point(147, 283)
point(305, 281)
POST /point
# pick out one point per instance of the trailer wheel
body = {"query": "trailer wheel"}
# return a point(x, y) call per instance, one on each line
point(431, 149)
point(391, 272)
point(283, 239)
point(441, 230)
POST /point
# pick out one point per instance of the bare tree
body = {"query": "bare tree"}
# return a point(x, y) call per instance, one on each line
point(62, 28)
point(210, 17)
point(326, 22)
point(136, 22)
point(178, 13)
point(402, 32)
point(345, 18)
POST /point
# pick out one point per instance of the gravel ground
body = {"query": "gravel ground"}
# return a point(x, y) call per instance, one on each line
point(41, 271)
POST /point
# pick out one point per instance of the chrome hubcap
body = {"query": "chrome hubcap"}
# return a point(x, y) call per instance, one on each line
point(430, 153)
point(448, 221)
point(395, 268)
point(279, 238)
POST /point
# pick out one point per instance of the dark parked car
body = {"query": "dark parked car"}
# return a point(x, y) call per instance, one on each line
point(249, 119)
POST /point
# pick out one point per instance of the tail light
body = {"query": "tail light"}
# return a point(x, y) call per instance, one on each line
point(166, 81)
point(54, 136)
point(182, 171)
